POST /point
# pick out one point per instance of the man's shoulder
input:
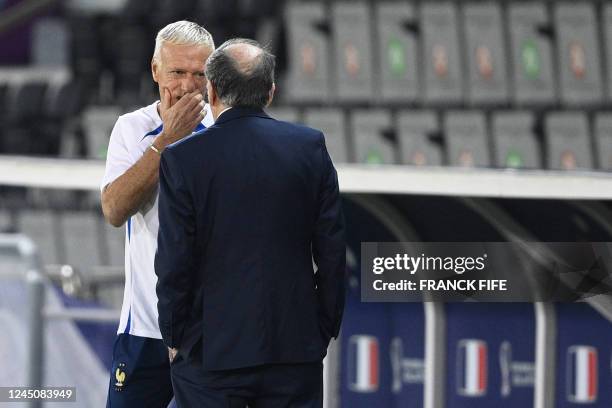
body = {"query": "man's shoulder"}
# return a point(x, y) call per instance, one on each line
point(297, 130)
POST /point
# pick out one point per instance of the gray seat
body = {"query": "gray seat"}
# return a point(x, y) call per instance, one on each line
point(81, 231)
point(466, 139)
point(415, 132)
point(285, 114)
point(308, 52)
point(485, 54)
point(397, 48)
point(333, 125)
point(578, 53)
point(370, 130)
point(6, 221)
point(115, 244)
point(43, 228)
point(531, 52)
point(50, 43)
point(98, 122)
point(603, 137)
point(514, 143)
point(567, 139)
point(352, 45)
point(443, 73)
point(607, 33)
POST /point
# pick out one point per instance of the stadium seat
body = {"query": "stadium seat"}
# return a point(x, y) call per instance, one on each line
point(466, 139)
point(514, 143)
point(115, 244)
point(255, 9)
point(28, 102)
point(167, 11)
point(397, 52)
point(308, 52)
point(207, 11)
point(419, 138)
point(333, 125)
point(60, 108)
point(485, 54)
point(98, 122)
point(532, 62)
point(443, 73)
point(133, 51)
point(567, 141)
point(284, 113)
point(50, 43)
point(352, 49)
point(24, 112)
point(87, 58)
point(373, 136)
point(4, 96)
point(43, 228)
point(6, 221)
point(578, 54)
point(606, 29)
point(490, 367)
point(81, 232)
point(603, 140)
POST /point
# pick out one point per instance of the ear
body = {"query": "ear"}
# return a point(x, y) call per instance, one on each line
point(212, 94)
point(271, 94)
point(155, 70)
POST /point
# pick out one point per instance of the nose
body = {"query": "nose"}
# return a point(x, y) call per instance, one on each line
point(188, 83)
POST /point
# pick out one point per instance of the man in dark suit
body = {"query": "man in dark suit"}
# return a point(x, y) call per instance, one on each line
point(244, 208)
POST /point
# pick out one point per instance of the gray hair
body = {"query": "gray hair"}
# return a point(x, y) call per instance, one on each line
point(241, 84)
point(182, 33)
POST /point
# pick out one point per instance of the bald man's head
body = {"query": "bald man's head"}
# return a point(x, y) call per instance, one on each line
point(242, 73)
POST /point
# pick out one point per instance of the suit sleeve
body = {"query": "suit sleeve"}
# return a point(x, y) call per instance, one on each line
point(175, 250)
point(329, 250)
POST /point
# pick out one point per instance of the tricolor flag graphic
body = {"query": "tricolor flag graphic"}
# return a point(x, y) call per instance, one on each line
point(472, 368)
point(363, 363)
point(582, 374)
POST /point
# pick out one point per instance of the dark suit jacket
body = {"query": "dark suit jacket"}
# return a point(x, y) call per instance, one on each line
point(244, 208)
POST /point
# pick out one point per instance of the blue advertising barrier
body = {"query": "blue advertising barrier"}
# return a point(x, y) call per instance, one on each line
point(490, 355)
point(407, 356)
point(584, 357)
point(382, 344)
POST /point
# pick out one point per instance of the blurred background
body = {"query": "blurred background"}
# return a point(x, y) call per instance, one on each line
point(447, 121)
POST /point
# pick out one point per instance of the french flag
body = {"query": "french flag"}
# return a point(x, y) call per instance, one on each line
point(582, 374)
point(472, 368)
point(363, 363)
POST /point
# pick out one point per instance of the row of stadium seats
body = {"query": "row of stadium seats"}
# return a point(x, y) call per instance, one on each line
point(79, 238)
point(34, 114)
point(91, 248)
point(37, 116)
point(120, 45)
point(562, 140)
point(450, 53)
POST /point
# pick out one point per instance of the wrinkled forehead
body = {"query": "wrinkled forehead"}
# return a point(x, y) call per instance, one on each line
point(192, 56)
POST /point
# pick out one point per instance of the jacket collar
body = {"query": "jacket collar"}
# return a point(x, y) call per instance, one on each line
point(235, 113)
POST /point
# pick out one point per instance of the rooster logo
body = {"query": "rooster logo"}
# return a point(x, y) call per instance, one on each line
point(120, 376)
